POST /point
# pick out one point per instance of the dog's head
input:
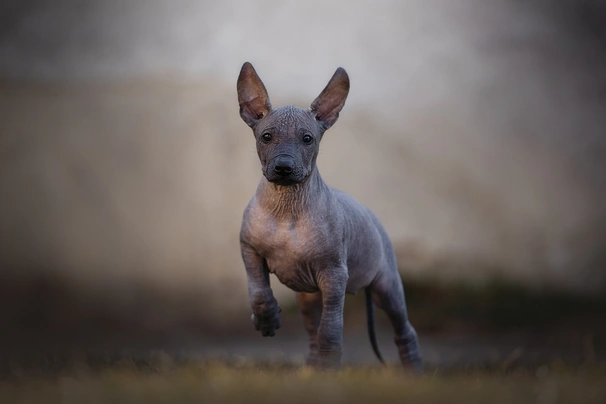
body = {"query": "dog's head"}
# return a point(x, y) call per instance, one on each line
point(288, 138)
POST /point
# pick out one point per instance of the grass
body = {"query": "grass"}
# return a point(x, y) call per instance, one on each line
point(163, 380)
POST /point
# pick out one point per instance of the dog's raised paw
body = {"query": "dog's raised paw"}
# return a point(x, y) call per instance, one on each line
point(267, 324)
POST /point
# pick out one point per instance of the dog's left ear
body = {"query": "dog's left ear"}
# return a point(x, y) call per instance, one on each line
point(331, 100)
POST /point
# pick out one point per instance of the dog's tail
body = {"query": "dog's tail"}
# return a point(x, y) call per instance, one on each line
point(370, 318)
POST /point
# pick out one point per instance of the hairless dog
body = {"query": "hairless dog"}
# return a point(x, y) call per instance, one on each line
point(318, 241)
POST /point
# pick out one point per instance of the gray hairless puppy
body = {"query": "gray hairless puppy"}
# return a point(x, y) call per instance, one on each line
point(318, 241)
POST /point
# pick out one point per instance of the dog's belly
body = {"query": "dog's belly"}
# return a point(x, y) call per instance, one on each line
point(295, 260)
point(296, 275)
point(360, 276)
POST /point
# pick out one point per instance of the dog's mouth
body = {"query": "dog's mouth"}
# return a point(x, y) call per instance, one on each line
point(294, 178)
point(284, 181)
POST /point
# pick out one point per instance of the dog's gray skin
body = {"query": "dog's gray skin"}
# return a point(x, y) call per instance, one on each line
point(318, 241)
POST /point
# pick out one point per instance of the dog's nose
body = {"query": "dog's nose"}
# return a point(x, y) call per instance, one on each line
point(284, 165)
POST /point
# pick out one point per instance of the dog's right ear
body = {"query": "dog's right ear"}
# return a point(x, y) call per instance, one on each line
point(252, 96)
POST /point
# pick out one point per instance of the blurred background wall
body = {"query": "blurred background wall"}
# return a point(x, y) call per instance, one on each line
point(474, 130)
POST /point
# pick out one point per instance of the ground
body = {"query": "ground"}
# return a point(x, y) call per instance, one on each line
point(162, 379)
point(497, 343)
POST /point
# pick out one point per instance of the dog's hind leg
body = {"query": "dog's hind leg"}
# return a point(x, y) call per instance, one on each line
point(388, 295)
point(310, 308)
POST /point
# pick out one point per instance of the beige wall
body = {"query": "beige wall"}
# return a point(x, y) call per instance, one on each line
point(470, 130)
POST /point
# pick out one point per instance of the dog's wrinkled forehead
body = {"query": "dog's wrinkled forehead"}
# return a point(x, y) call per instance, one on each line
point(289, 118)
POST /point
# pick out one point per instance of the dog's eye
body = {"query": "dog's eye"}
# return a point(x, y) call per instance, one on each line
point(266, 137)
point(307, 139)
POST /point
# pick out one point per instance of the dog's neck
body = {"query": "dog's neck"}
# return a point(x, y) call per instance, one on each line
point(288, 202)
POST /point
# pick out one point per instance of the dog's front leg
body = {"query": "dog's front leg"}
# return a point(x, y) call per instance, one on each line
point(266, 312)
point(332, 284)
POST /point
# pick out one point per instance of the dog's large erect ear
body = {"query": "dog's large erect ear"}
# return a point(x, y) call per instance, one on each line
point(252, 95)
point(331, 100)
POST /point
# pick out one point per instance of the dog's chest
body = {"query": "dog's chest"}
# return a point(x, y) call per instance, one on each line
point(292, 250)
